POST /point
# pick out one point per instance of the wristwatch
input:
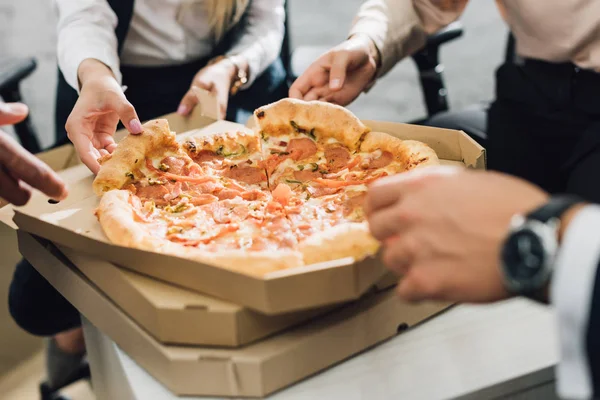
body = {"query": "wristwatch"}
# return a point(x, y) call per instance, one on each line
point(241, 78)
point(530, 249)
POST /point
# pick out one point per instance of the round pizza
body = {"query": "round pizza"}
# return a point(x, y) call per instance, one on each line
point(288, 194)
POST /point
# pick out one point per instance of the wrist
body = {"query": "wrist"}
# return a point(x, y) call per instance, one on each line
point(369, 46)
point(566, 219)
point(91, 70)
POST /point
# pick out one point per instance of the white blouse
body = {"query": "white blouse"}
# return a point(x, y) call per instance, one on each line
point(162, 32)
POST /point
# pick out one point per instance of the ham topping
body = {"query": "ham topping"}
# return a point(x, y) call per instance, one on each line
point(337, 157)
point(250, 175)
point(302, 148)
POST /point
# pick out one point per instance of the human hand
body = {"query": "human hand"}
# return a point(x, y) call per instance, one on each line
point(340, 75)
point(443, 229)
point(19, 169)
point(217, 78)
point(93, 121)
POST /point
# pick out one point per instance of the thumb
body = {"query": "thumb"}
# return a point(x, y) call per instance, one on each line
point(127, 115)
point(12, 113)
point(188, 102)
point(337, 74)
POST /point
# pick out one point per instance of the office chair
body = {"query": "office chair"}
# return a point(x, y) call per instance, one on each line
point(12, 72)
point(473, 119)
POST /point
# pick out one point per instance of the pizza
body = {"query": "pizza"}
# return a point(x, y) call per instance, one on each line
point(288, 194)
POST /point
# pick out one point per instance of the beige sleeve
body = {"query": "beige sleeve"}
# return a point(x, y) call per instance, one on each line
point(400, 27)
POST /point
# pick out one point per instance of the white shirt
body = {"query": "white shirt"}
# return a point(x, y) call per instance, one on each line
point(571, 293)
point(162, 32)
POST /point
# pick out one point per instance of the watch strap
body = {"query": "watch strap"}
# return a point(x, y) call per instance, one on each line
point(554, 208)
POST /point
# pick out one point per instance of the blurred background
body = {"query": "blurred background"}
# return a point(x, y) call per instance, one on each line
point(27, 29)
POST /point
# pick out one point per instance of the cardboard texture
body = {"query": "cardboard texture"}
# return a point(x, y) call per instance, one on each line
point(71, 223)
point(179, 316)
point(253, 371)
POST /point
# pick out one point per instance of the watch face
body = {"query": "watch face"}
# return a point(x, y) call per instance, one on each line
point(523, 255)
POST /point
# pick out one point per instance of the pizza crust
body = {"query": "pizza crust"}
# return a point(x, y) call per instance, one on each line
point(131, 153)
point(410, 153)
point(116, 217)
point(345, 240)
point(328, 120)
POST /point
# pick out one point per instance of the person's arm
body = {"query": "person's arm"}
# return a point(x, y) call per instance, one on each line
point(394, 28)
point(399, 28)
point(89, 61)
point(20, 170)
point(575, 293)
point(260, 41)
point(86, 30)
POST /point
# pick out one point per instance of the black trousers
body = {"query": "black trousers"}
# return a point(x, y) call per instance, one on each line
point(34, 304)
point(544, 126)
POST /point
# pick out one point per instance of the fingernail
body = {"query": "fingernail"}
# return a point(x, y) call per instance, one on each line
point(182, 109)
point(15, 108)
point(335, 84)
point(135, 126)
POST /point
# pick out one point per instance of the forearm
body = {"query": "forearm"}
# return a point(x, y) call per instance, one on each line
point(91, 69)
point(86, 31)
point(399, 28)
point(261, 38)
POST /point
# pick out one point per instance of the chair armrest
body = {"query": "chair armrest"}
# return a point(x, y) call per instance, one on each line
point(12, 71)
point(446, 34)
point(430, 68)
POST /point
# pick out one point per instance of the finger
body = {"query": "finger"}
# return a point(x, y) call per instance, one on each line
point(12, 113)
point(103, 152)
point(316, 93)
point(106, 141)
point(127, 115)
point(12, 191)
point(422, 283)
point(339, 65)
point(111, 147)
point(24, 166)
point(305, 82)
point(189, 101)
point(88, 154)
point(295, 92)
point(389, 222)
point(399, 254)
point(383, 193)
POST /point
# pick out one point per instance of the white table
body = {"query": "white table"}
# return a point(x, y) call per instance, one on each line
point(505, 350)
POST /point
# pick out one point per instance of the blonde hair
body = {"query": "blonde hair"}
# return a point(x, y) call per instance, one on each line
point(224, 14)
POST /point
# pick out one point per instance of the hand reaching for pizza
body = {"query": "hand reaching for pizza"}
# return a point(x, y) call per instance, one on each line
point(20, 170)
point(217, 78)
point(442, 230)
point(93, 121)
point(340, 75)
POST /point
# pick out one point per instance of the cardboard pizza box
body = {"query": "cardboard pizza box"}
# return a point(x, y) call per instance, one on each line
point(176, 315)
point(252, 371)
point(71, 223)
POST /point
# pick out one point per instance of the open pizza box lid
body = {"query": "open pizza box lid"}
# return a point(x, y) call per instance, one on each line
point(71, 223)
point(252, 371)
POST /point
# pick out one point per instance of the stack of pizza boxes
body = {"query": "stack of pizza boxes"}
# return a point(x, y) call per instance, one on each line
point(204, 330)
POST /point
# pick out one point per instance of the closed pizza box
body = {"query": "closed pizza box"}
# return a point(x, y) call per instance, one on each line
point(254, 370)
point(71, 223)
point(176, 315)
